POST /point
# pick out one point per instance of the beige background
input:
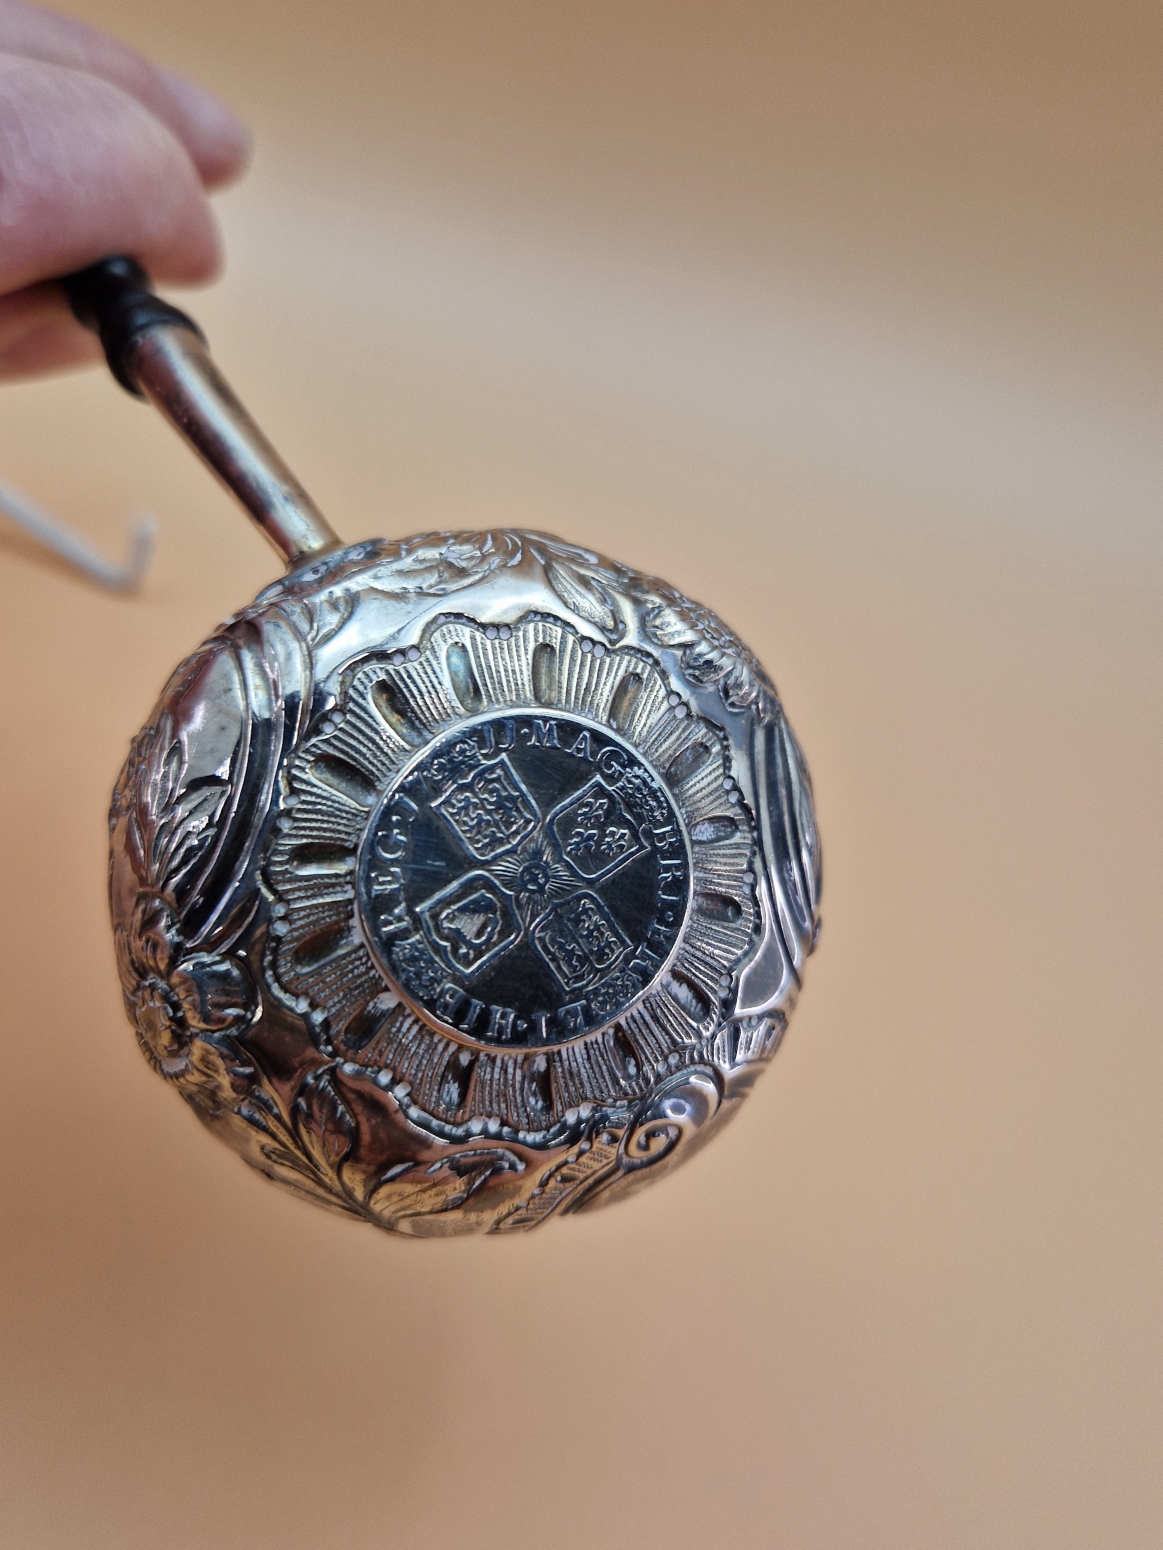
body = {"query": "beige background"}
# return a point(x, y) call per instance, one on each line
point(846, 317)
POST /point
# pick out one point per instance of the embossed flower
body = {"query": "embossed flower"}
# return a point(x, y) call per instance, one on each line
point(534, 876)
point(712, 653)
point(174, 999)
point(158, 1020)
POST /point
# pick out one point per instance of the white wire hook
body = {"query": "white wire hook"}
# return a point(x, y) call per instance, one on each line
point(52, 534)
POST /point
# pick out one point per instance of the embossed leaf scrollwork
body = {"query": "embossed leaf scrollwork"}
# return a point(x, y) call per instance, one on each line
point(307, 1148)
point(185, 1007)
point(311, 1147)
point(323, 1125)
point(711, 652)
point(649, 1143)
point(418, 1191)
point(596, 590)
point(426, 565)
point(439, 563)
point(170, 824)
point(582, 582)
point(317, 619)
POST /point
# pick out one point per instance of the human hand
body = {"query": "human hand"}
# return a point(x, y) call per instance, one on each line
point(100, 152)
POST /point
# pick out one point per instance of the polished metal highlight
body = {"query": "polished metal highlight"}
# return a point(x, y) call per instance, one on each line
point(465, 881)
point(173, 369)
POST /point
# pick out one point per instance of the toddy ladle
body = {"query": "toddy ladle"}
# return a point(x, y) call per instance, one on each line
point(461, 880)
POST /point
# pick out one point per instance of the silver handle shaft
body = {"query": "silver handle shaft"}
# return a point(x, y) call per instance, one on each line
point(174, 370)
point(158, 353)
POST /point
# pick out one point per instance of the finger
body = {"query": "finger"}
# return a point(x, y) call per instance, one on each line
point(218, 143)
point(86, 171)
point(38, 334)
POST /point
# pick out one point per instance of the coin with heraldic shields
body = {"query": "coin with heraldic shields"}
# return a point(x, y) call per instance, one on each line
point(460, 881)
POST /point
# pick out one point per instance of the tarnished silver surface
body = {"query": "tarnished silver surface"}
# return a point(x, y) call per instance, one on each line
point(466, 880)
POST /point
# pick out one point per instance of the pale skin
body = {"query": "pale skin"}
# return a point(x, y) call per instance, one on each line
point(101, 152)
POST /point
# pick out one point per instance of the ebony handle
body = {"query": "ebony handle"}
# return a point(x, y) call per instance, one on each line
point(158, 353)
point(114, 300)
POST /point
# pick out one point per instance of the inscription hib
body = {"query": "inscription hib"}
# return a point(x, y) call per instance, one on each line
point(526, 881)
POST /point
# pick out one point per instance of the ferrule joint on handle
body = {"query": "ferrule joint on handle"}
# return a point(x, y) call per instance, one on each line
point(156, 352)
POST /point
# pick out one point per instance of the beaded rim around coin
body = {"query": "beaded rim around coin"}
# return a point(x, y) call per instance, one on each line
point(552, 688)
